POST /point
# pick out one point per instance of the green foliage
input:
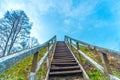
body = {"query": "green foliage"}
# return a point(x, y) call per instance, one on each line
point(94, 74)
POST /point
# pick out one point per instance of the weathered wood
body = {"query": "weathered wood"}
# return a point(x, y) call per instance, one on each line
point(97, 47)
point(106, 65)
point(42, 60)
point(77, 44)
point(70, 43)
point(86, 77)
point(98, 66)
point(9, 61)
point(48, 60)
point(34, 62)
point(53, 50)
point(39, 64)
point(90, 60)
point(78, 47)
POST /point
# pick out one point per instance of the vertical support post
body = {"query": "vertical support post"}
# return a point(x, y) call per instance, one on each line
point(55, 39)
point(51, 41)
point(77, 44)
point(65, 38)
point(69, 40)
point(48, 62)
point(34, 66)
point(105, 62)
point(71, 43)
point(52, 46)
point(78, 47)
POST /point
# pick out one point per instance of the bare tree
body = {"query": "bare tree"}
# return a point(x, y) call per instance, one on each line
point(13, 27)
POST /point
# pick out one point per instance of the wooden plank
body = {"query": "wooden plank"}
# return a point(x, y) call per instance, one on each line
point(78, 47)
point(48, 61)
point(65, 72)
point(42, 60)
point(98, 66)
point(39, 64)
point(97, 47)
point(53, 51)
point(68, 67)
point(106, 65)
point(85, 76)
point(10, 60)
point(34, 62)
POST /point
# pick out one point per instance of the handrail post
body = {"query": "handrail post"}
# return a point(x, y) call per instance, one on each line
point(55, 39)
point(78, 47)
point(53, 45)
point(34, 66)
point(105, 62)
point(66, 39)
point(71, 43)
point(48, 62)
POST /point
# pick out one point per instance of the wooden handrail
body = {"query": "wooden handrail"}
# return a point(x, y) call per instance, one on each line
point(104, 50)
point(39, 64)
point(105, 70)
point(36, 65)
point(10, 60)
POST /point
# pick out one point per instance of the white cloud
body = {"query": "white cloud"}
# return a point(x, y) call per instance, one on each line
point(84, 9)
point(67, 21)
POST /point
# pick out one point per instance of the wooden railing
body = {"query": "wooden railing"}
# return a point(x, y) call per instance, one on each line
point(9, 61)
point(105, 69)
point(36, 65)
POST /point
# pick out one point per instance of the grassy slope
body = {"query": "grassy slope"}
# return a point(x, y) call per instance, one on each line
point(21, 70)
point(93, 73)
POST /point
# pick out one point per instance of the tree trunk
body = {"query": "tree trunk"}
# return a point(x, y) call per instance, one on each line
point(15, 34)
point(8, 39)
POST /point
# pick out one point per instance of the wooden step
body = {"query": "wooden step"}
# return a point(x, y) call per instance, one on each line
point(63, 55)
point(57, 59)
point(63, 61)
point(65, 68)
point(64, 73)
point(64, 58)
point(65, 64)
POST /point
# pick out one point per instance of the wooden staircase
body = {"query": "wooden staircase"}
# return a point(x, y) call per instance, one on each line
point(63, 64)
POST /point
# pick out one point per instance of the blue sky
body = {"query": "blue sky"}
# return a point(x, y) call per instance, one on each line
point(93, 21)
